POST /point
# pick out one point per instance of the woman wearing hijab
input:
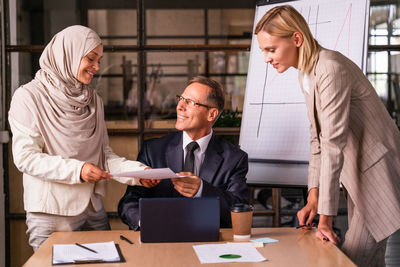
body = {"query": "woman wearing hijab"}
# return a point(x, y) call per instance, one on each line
point(353, 139)
point(60, 140)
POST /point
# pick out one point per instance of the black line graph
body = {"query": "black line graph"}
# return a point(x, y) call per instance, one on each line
point(262, 103)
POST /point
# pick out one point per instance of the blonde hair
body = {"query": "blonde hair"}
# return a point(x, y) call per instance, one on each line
point(284, 21)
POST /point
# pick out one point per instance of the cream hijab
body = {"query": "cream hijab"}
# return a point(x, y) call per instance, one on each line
point(67, 114)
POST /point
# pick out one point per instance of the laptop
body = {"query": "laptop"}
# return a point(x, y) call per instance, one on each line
point(179, 219)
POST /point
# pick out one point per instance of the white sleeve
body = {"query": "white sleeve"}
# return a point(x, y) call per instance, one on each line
point(29, 158)
point(200, 191)
point(117, 164)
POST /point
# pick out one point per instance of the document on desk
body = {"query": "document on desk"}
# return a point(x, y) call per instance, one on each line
point(85, 253)
point(232, 252)
point(159, 173)
point(265, 240)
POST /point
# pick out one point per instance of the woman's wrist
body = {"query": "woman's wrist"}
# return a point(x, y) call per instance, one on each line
point(326, 220)
point(313, 195)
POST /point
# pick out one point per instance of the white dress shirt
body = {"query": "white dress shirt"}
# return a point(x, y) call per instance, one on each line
point(198, 154)
point(306, 84)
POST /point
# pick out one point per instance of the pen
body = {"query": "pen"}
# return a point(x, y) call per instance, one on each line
point(125, 239)
point(82, 246)
point(306, 225)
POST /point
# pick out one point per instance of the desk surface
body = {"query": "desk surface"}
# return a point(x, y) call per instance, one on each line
point(296, 247)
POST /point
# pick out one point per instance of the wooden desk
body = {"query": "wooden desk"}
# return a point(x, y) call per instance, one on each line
point(295, 248)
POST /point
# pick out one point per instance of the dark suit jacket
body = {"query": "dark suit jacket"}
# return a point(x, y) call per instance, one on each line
point(223, 173)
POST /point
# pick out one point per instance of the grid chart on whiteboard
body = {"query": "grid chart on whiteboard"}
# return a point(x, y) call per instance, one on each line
point(275, 125)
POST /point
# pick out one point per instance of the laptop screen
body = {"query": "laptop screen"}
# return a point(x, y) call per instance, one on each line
point(179, 219)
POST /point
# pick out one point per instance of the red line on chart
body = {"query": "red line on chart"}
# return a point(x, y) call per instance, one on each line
point(348, 14)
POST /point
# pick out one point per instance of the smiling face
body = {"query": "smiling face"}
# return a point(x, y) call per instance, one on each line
point(90, 64)
point(282, 53)
point(194, 119)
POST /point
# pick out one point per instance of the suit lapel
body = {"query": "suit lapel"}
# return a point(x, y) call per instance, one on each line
point(212, 160)
point(174, 154)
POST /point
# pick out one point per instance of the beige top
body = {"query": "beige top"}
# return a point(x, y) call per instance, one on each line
point(51, 183)
point(66, 113)
point(57, 118)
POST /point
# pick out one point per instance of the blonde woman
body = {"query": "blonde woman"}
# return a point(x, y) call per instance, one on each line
point(353, 139)
point(60, 140)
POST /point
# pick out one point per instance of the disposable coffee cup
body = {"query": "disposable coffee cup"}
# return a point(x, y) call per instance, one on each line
point(241, 215)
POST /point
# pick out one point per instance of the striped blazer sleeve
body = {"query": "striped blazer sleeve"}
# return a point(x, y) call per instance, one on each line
point(333, 91)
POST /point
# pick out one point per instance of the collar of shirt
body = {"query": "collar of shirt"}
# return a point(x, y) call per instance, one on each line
point(199, 153)
point(203, 142)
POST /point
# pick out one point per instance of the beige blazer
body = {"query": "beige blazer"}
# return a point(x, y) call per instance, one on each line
point(353, 141)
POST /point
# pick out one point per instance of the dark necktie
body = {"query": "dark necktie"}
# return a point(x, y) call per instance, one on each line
point(189, 159)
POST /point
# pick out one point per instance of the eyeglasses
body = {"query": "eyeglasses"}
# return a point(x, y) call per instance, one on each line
point(190, 102)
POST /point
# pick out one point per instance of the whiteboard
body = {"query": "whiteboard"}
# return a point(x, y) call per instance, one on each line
point(275, 126)
point(277, 174)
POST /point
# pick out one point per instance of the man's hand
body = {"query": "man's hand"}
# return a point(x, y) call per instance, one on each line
point(91, 173)
point(325, 231)
point(187, 186)
point(149, 183)
point(307, 214)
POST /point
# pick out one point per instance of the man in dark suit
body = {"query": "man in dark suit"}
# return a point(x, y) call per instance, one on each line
point(212, 166)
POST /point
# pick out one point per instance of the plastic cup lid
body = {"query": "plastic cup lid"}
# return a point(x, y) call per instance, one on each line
point(241, 207)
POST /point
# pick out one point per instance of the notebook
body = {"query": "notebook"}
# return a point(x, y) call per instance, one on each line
point(179, 219)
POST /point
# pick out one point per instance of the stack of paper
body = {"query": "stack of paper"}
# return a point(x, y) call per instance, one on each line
point(71, 253)
point(159, 173)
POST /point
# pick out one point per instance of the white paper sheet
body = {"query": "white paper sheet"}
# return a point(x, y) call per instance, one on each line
point(160, 173)
point(211, 253)
point(265, 240)
point(69, 253)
